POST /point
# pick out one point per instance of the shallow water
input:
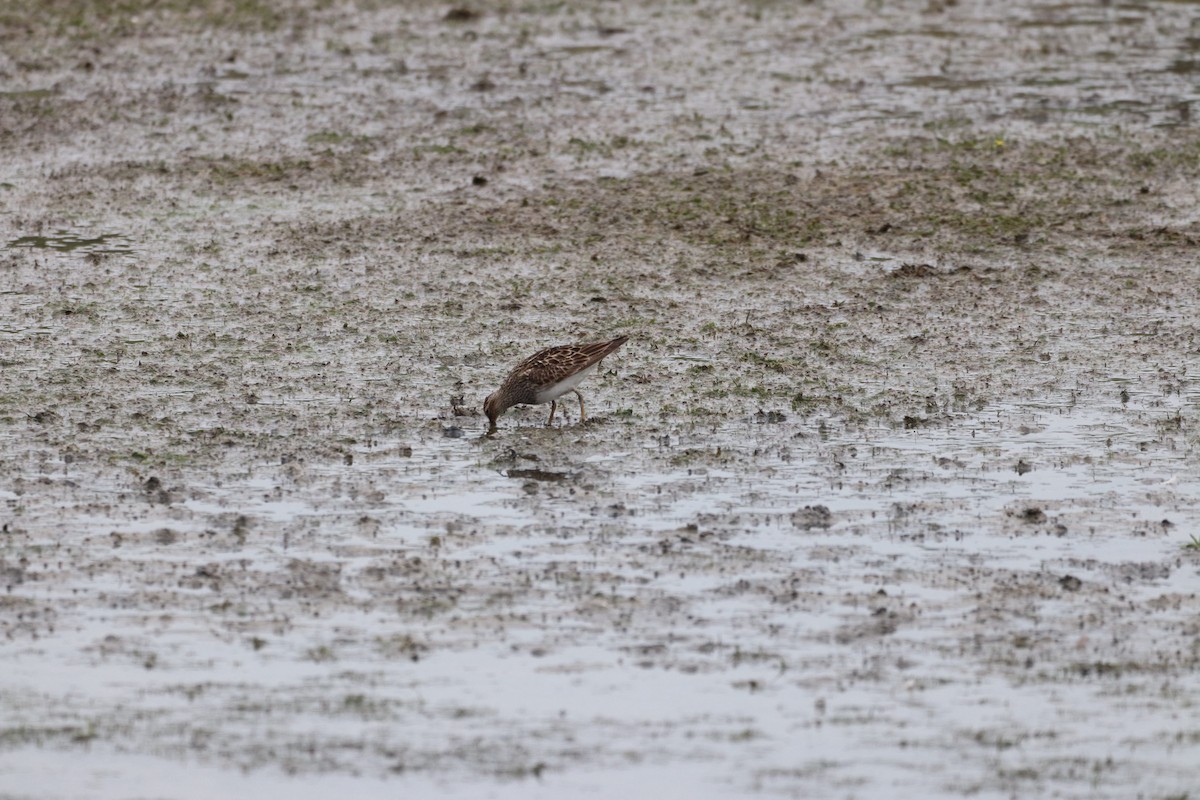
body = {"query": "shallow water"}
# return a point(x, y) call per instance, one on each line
point(428, 612)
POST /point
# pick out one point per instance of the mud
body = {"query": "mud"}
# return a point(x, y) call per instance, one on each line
point(893, 492)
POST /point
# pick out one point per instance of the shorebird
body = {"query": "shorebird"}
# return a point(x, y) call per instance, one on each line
point(547, 375)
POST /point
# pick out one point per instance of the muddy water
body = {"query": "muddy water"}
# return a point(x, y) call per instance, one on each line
point(890, 494)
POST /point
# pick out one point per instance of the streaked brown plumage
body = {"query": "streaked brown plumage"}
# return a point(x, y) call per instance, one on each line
point(547, 375)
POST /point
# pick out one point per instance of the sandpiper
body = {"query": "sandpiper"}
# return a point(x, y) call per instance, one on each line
point(547, 375)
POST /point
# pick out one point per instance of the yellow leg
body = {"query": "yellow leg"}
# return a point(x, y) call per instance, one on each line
point(582, 415)
point(553, 405)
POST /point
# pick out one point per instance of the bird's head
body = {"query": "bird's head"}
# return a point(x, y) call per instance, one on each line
point(493, 407)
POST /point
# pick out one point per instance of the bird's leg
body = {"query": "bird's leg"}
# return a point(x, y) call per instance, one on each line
point(553, 405)
point(582, 416)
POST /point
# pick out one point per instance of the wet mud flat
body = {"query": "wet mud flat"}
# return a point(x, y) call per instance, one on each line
point(894, 490)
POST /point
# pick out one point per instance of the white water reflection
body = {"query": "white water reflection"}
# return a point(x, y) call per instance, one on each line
point(459, 610)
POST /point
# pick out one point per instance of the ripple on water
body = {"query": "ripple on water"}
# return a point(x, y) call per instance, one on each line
point(65, 241)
